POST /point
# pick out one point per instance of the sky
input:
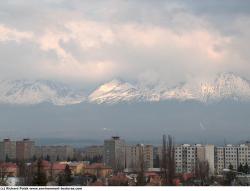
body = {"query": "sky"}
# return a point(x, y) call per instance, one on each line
point(86, 43)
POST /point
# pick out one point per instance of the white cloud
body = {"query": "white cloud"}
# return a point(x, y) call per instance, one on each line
point(171, 44)
point(10, 34)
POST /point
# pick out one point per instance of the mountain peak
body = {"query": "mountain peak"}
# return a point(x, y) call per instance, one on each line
point(38, 91)
point(226, 86)
point(114, 91)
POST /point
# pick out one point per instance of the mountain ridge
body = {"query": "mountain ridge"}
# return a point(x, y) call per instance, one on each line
point(29, 92)
point(225, 86)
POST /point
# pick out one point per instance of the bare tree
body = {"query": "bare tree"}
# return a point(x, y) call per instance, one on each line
point(25, 174)
point(141, 169)
point(51, 174)
point(168, 160)
point(164, 160)
point(39, 176)
point(202, 171)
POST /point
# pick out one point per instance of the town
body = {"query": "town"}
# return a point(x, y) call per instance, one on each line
point(115, 163)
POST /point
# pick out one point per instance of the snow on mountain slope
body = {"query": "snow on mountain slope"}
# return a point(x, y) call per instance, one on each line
point(231, 86)
point(225, 86)
point(115, 91)
point(39, 91)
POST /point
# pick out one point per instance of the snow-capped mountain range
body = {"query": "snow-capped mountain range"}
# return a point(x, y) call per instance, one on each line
point(223, 87)
point(29, 92)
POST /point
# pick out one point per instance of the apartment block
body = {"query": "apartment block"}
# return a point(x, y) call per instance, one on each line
point(25, 149)
point(7, 150)
point(64, 152)
point(231, 155)
point(185, 157)
point(134, 154)
point(93, 151)
point(114, 153)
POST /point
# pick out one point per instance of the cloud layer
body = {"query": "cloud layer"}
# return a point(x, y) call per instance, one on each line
point(89, 43)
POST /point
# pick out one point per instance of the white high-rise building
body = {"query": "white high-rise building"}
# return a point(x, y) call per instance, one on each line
point(220, 159)
point(231, 155)
point(133, 157)
point(114, 153)
point(187, 157)
point(210, 158)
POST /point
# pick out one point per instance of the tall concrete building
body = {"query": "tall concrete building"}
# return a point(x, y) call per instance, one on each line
point(206, 153)
point(187, 157)
point(25, 149)
point(219, 159)
point(133, 157)
point(210, 158)
point(148, 156)
point(231, 155)
point(7, 150)
point(114, 153)
point(55, 152)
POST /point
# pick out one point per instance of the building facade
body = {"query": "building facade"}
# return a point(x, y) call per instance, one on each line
point(231, 155)
point(93, 151)
point(185, 158)
point(133, 157)
point(7, 150)
point(55, 153)
point(25, 149)
point(114, 153)
point(188, 156)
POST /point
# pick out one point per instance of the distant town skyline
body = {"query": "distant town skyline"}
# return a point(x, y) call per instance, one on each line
point(137, 69)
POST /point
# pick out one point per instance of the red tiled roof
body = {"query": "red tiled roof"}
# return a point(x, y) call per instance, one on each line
point(58, 166)
point(87, 174)
point(97, 165)
point(8, 165)
point(119, 177)
point(54, 166)
point(45, 163)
